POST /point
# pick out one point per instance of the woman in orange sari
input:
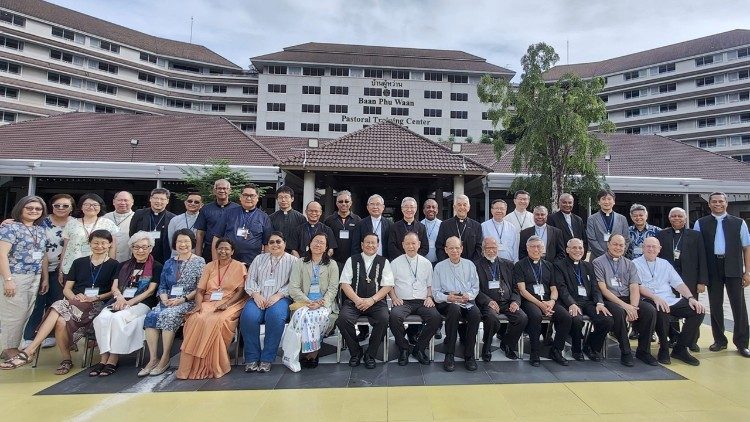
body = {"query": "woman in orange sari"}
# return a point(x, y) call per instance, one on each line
point(210, 326)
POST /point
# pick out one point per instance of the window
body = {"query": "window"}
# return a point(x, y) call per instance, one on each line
point(459, 96)
point(669, 67)
point(146, 57)
point(458, 79)
point(247, 127)
point(250, 90)
point(435, 131)
point(666, 108)
point(668, 127)
point(59, 55)
point(372, 110)
point(173, 83)
point(148, 98)
point(171, 102)
point(9, 67)
point(373, 92)
point(707, 143)
point(218, 107)
point(400, 93)
point(459, 114)
point(705, 102)
point(55, 101)
point(249, 108)
point(399, 111)
point(12, 18)
point(276, 70)
point(313, 71)
point(340, 90)
point(631, 75)
point(633, 112)
point(339, 71)
point(461, 133)
point(744, 117)
point(310, 90)
point(145, 77)
point(311, 108)
point(106, 89)
point(490, 133)
point(742, 52)
point(275, 125)
point(433, 112)
point(744, 96)
point(707, 122)
point(433, 95)
point(104, 109)
point(663, 89)
point(633, 130)
point(7, 117)
point(400, 74)
point(11, 43)
point(604, 98)
point(8, 92)
point(702, 61)
point(58, 78)
point(338, 108)
point(374, 73)
point(277, 88)
point(310, 127)
point(107, 67)
point(337, 127)
point(275, 107)
point(63, 33)
point(433, 76)
point(106, 45)
point(186, 67)
point(631, 94)
point(743, 74)
point(219, 89)
point(706, 80)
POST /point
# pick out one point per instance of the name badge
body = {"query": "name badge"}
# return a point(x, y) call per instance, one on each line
point(614, 281)
point(344, 234)
point(606, 237)
point(91, 292)
point(155, 235)
point(269, 282)
point(242, 232)
point(539, 290)
point(86, 249)
point(37, 255)
point(432, 244)
point(494, 284)
point(638, 250)
point(581, 291)
point(217, 295)
point(129, 293)
point(676, 253)
point(315, 289)
point(177, 291)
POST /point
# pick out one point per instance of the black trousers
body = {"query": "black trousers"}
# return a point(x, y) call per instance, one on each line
point(430, 317)
point(644, 325)
point(516, 323)
point(735, 291)
point(602, 325)
point(681, 309)
point(377, 316)
point(561, 320)
point(453, 314)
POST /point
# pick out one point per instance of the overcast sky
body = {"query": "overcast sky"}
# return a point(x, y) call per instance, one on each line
point(498, 30)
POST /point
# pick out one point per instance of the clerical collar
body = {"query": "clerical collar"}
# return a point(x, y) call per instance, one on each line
point(606, 213)
point(247, 210)
point(313, 224)
point(286, 211)
point(409, 223)
point(535, 262)
point(157, 213)
point(575, 262)
point(461, 220)
point(492, 260)
point(676, 230)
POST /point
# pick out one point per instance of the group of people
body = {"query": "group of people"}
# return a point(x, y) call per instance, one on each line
point(126, 277)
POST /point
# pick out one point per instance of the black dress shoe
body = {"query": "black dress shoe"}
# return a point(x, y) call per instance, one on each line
point(695, 348)
point(744, 352)
point(369, 362)
point(509, 353)
point(633, 334)
point(578, 356)
point(534, 359)
point(421, 356)
point(403, 357)
point(663, 356)
point(449, 364)
point(557, 356)
point(717, 347)
point(646, 357)
point(355, 360)
point(470, 364)
point(685, 356)
point(592, 355)
point(487, 356)
point(626, 359)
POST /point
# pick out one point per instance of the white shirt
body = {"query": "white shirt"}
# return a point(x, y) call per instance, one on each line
point(660, 277)
point(521, 221)
point(412, 276)
point(122, 221)
point(432, 227)
point(506, 235)
point(449, 277)
point(348, 272)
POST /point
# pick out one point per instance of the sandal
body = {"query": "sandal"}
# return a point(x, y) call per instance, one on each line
point(108, 370)
point(147, 370)
point(95, 370)
point(21, 359)
point(65, 367)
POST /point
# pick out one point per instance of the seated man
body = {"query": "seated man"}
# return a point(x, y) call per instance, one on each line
point(497, 295)
point(365, 282)
point(541, 301)
point(412, 295)
point(617, 278)
point(658, 278)
point(580, 294)
point(455, 285)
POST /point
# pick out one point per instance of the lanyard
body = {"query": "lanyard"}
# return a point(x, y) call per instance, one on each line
point(376, 230)
point(609, 226)
point(95, 277)
point(344, 220)
point(312, 230)
point(615, 270)
point(495, 269)
point(579, 274)
point(650, 270)
point(248, 218)
point(430, 228)
point(520, 223)
point(93, 227)
point(416, 266)
point(677, 243)
point(114, 216)
point(272, 264)
point(461, 232)
point(181, 267)
point(187, 224)
point(536, 231)
point(315, 273)
point(537, 277)
point(499, 232)
point(156, 225)
point(460, 280)
point(221, 276)
point(33, 233)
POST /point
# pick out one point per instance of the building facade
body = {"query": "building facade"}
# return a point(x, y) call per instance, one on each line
point(696, 91)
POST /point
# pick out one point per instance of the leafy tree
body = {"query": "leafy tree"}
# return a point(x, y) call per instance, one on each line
point(201, 179)
point(549, 123)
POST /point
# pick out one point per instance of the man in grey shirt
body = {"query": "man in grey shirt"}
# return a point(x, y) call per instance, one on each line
point(193, 204)
point(605, 224)
point(619, 283)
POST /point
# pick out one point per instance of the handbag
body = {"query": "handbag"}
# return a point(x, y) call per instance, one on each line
point(291, 343)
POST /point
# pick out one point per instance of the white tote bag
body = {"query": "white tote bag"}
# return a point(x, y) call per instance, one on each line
point(291, 343)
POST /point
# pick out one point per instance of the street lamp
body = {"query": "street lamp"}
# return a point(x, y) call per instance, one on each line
point(134, 145)
point(607, 159)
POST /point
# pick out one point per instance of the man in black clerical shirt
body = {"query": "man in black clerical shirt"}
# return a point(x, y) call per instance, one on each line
point(464, 228)
point(286, 219)
point(155, 220)
point(342, 225)
point(571, 225)
point(304, 233)
point(554, 248)
point(409, 224)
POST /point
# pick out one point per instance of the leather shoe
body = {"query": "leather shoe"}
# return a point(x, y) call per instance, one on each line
point(633, 334)
point(578, 356)
point(557, 356)
point(355, 360)
point(744, 352)
point(421, 356)
point(685, 356)
point(370, 361)
point(449, 364)
point(592, 355)
point(534, 359)
point(646, 357)
point(470, 364)
point(626, 359)
point(486, 357)
point(509, 353)
point(717, 347)
point(663, 356)
point(403, 357)
point(695, 348)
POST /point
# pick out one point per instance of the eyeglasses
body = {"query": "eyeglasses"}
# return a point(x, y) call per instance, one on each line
point(33, 209)
point(221, 188)
point(140, 248)
point(192, 201)
point(318, 242)
point(249, 195)
point(90, 205)
point(275, 242)
point(343, 202)
point(61, 206)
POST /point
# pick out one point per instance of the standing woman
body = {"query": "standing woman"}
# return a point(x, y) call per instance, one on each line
point(211, 324)
point(119, 327)
point(267, 285)
point(313, 285)
point(23, 269)
point(177, 290)
point(62, 206)
point(87, 287)
point(77, 231)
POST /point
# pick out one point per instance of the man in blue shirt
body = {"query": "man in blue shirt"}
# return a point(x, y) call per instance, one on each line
point(211, 218)
point(249, 227)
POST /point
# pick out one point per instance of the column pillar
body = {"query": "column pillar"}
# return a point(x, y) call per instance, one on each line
point(458, 186)
point(308, 191)
point(329, 206)
point(686, 207)
point(32, 185)
point(486, 200)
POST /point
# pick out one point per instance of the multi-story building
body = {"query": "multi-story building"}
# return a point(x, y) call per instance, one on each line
point(696, 91)
point(325, 90)
point(54, 59)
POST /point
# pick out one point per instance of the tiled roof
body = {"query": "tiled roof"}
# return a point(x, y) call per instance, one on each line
point(696, 47)
point(286, 146)
point(384, 147)
point(376, 56)
point(106, 137)
point(78, 21)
